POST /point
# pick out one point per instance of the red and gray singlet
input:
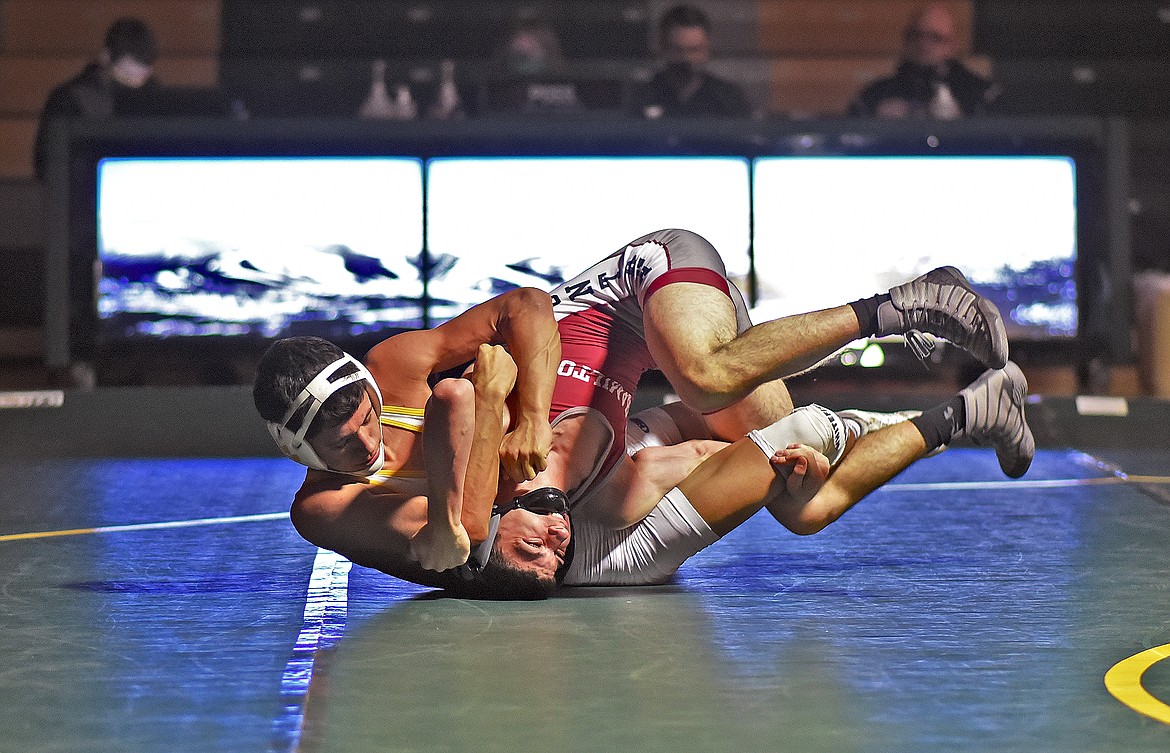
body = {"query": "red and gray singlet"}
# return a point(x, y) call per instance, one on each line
point(599, 316)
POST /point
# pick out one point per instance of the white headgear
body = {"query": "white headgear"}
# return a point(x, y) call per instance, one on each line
point(316, 392)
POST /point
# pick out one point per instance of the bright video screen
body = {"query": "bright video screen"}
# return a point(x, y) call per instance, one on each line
point(494, 224)
point(259, 246)
point(829, 230)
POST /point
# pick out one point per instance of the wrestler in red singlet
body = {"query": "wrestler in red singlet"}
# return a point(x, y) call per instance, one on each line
point(599, 313)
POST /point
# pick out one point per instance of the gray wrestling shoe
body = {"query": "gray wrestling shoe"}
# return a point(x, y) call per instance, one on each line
point(943, 303)
point(995, 416)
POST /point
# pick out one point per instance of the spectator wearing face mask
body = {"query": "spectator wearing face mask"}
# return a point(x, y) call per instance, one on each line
point(683, 88)
point(930, 81)
point(531, 48)
point(123, 72)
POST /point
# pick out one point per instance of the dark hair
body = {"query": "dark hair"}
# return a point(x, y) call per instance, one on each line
point(683, 16)
point(131, 36)
point(500, 579)
point(290, 364)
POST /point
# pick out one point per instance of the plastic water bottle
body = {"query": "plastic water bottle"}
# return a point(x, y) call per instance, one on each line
point(943, 105)
point(404, 105)
point(378, 105)
point(448, 104)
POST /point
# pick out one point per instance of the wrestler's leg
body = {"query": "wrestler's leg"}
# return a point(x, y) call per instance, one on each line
point(695, 337)
point(989, 411)
point(731, 486)
point(734, 483)
point(692, 334)
point(762, 405)
point(872, 461)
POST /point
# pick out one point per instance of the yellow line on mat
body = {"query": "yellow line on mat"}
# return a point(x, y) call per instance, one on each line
point(46, 534)
point(1124, 681)
point(147, 526)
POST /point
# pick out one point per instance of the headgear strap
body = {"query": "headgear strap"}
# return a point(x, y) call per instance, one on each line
point(293, 443)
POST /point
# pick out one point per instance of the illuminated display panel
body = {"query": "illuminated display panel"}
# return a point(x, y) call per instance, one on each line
point(264, 247)
point(498, 223)
point(828, 230)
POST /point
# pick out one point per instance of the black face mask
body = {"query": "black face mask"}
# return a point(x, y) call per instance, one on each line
point(682, 71)
point(544, 501)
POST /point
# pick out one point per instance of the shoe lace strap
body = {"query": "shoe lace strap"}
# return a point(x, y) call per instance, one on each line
point(920, 343)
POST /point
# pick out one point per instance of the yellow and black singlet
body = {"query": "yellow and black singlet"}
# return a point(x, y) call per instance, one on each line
point(410, 419)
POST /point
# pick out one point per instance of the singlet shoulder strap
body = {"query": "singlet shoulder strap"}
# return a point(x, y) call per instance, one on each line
point(604, 463)
point(386, 474)
point(402, 417)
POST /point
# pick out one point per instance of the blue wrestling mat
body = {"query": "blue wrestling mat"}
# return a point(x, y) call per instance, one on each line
point(166, 604)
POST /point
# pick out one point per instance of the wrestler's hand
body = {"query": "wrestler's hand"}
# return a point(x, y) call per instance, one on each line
point(805, 470)
point(439, 547)
point(494, 373)
point(524, 452)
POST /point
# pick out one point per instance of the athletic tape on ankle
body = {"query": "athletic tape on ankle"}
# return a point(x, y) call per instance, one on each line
point(813, 425)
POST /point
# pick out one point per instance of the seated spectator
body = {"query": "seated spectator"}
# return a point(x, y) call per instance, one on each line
point(530, 74)
point(532, 48)
point(682, 88)
point(930, 80)
point(124, 71)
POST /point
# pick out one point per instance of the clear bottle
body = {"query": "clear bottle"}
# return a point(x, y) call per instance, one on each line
point(378, 105)
point(404, 102)
point(943, 105)
point(448, 104)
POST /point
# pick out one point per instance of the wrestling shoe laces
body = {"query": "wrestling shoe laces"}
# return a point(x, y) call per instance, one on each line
point(995, 416)
point(941, 303)
point(920, 343)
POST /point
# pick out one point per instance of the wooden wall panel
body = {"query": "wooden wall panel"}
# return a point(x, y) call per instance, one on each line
point(845, 27)
point(77, 27)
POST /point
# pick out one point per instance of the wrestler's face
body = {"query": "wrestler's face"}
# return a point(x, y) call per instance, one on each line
point(354, 445)
point(534, 542)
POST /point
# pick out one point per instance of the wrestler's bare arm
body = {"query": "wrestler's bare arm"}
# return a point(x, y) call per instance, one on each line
point(520, 319)
point(805, 472)
point(530, 333)
point(365, 523)
point(369, 523)
point(443, 542)
point(465, 425)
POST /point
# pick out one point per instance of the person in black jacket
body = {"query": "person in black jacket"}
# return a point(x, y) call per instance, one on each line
point(123, 73)
point(930, 80)
point(682, 88)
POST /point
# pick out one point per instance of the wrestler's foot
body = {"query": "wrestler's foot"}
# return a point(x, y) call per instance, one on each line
point(943, 303)
point(995, 416)
point(867, 421)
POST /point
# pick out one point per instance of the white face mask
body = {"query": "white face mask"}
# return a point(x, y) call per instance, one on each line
point(129, 72)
